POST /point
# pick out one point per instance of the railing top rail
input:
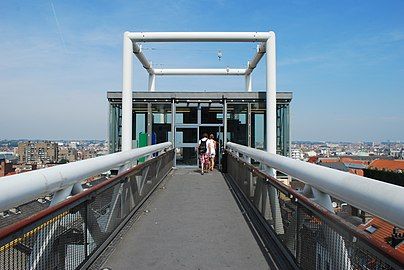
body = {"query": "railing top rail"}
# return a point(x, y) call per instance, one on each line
point(379, 198)
point(22, 188)
point(70, 202)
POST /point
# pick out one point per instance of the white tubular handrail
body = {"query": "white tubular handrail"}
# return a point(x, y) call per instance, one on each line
point(25, 187)
point(378, 198)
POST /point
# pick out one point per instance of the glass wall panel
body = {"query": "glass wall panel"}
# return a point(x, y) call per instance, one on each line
point(186, 135)
point(186, 156)
point(282, 130)
point(114, 127)
point(186, 115)
point(161, 122)
point(212, 115)
point(187, 124)
point(258, 125)
point(139, 121)
point(237, 123)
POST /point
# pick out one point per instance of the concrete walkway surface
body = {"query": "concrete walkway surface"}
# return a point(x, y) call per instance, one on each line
point(193, 223)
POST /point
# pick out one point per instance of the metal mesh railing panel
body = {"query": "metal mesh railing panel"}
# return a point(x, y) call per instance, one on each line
point(314, 240)
point(57, 243)
point(69, 236)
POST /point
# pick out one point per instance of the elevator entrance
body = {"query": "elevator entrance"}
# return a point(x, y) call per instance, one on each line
point(192, 121)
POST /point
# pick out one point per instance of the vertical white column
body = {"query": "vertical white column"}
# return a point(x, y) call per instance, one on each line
point(127, 93)
point(152, 82)
point(173, 108)
point(224, 122)
point(271, 127)
point(248, 83)
point(271, 96)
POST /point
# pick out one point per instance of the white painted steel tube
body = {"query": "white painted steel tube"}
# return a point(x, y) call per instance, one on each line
point(257, 57)
point(25, 187)
point(200, 71)
point(378, 198)
point(271, 97)
point(152, 82)
point(248, 83)
point(127, 93)
point(199, 36)
point(142, 58)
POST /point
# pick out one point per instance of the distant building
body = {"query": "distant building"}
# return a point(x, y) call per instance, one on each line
point(384, 232)
point(67, 154)
point(335, 165)
point(37, 152)
point(311, 153)
point(7, 161)
point(8, 156)
point(74, 145)
point(6, 167)
point(13, 215)
point(388, 165)
point(21, 168)
point(389, 171)
point(297, 154)
point(87, 153)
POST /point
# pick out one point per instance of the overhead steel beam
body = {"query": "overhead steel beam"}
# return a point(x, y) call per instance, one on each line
point(137, 50)
point(198, 36)
point(261, 49)
point(200, 71)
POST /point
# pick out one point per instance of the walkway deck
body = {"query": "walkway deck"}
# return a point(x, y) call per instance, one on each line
point(194, 223)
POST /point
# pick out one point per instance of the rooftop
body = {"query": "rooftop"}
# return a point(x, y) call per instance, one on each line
point(392, 165)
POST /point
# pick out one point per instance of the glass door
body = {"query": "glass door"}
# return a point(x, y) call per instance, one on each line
point(217, 131)
point(186, 140)
point(192, 120)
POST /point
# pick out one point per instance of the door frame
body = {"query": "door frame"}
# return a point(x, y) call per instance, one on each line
point(188, 145)
point(198, 126)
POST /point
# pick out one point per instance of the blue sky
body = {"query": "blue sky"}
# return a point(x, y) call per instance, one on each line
point(343, 60)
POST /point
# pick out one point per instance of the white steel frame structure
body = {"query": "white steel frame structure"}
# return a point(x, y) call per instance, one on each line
point(266, 45)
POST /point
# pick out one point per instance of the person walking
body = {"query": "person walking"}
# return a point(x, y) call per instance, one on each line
point(212, 151)
point(203, 151)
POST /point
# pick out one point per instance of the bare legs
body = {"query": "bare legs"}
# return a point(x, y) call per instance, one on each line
point(204, 159)
point(212, 163)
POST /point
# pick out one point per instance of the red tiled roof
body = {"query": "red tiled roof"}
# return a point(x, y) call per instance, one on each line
point(357, 171)
point(392, 165)
point(312, 159)
point(328, 160)
point(354, 161)
point(383, 232)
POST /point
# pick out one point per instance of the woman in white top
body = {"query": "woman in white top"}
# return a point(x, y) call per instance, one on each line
point(212, 151)
point(204, 154)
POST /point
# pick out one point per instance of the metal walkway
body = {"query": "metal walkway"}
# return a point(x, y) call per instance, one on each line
point(193, 223)
point(152, 217)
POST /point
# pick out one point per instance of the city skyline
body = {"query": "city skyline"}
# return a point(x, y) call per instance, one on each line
point(345, 74)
